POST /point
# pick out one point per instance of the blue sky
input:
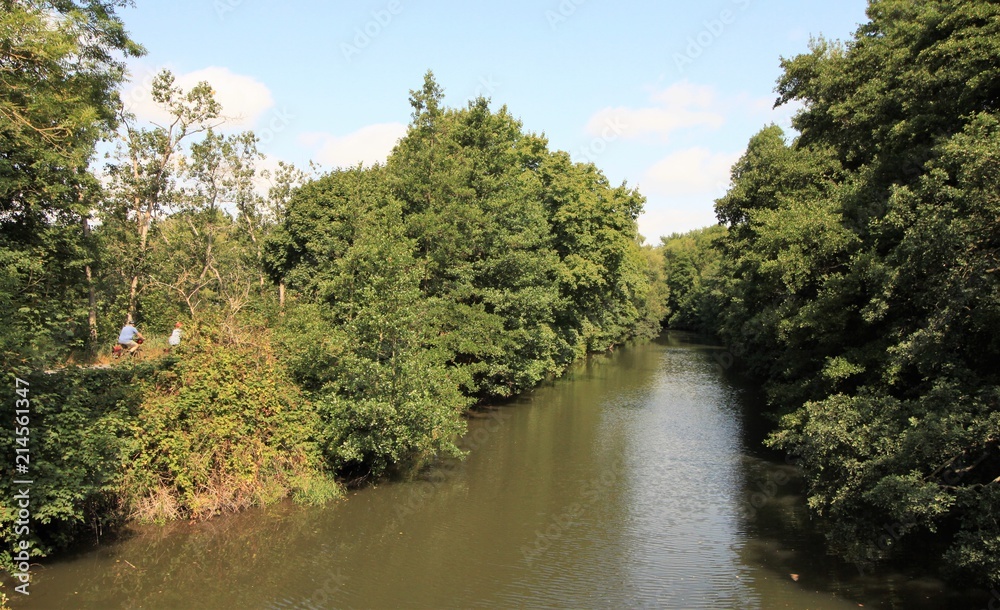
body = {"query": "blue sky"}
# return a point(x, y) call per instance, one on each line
point(663, 95)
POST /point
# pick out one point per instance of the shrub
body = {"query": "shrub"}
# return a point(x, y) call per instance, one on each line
point(219, 430)
point(76, 422)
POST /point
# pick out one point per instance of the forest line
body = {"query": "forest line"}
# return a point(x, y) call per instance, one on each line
point(336, 329)
point(338, 326)
point(855, 274)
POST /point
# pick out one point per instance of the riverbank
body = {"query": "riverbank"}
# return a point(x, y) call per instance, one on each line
point(634, 480)
point(212, 430)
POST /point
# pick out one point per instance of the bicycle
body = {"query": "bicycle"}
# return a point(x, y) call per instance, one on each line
point(119, 350)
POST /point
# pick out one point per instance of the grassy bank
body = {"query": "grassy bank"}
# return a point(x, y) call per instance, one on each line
point(213, 428)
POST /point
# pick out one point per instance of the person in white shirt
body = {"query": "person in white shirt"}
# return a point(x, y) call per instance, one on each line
point(175, 337)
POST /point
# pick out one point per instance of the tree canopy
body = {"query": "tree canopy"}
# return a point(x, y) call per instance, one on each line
point(858, 278)
point(61, 64)
point(336, 328)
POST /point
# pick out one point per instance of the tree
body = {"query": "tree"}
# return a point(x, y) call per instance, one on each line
point(601, 275)
point(861, 263)
point(143, 178)
point(656, 309)
point(466, 268)
point(462, 176)
point(60, 66)
point(284, 181)
point(692, 276)
point(357, 333)
point(531, 260)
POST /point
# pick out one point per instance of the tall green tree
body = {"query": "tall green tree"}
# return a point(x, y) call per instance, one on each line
point(692, 277)
point(531, 259)
point(463, 178)
point(143, 179)
point(60, 66)
point(467, 267)
point(601, 273)
point(863, 261)
point(356, 332)
point(283, 182)
point(786, 247)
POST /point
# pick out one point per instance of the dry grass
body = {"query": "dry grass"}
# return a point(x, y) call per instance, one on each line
point(159, 507)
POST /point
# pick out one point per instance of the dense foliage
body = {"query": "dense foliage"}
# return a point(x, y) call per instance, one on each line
point(74, 466)
point(335, 329)
point(692, 279)
point(859, 279)
point(60, 67)
point(219, 429)
point(339, 326)
point(355, 334)
point(473, 265)
point(531, 260)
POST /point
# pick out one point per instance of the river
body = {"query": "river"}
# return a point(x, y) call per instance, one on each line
point(637, 480)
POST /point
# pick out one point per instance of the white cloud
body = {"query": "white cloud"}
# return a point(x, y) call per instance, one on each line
point(682, 186)
point(681, 106)
point(266, 168)
point(661, 219)
point(244, 99)
point(681, 189)
point(694, 171)
point(368, 145)
point(685, 93)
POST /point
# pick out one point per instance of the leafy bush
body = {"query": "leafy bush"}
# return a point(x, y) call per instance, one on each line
point(411, 414)
point(77, 420)
point(387, 401)
point(221, 429)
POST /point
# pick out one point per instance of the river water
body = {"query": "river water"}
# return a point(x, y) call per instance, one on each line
point(637, 480)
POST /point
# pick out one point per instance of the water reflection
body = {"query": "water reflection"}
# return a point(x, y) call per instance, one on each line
point(635, 481)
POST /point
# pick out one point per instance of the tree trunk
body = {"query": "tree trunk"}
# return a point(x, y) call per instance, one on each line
point(92, 311)
point(143, 218)
point(91, 294)
point(131, 297)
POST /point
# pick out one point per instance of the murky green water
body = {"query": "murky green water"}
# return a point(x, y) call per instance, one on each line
point(635, 481)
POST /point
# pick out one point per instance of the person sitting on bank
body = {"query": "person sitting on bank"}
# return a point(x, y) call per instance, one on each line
point(127, 338)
